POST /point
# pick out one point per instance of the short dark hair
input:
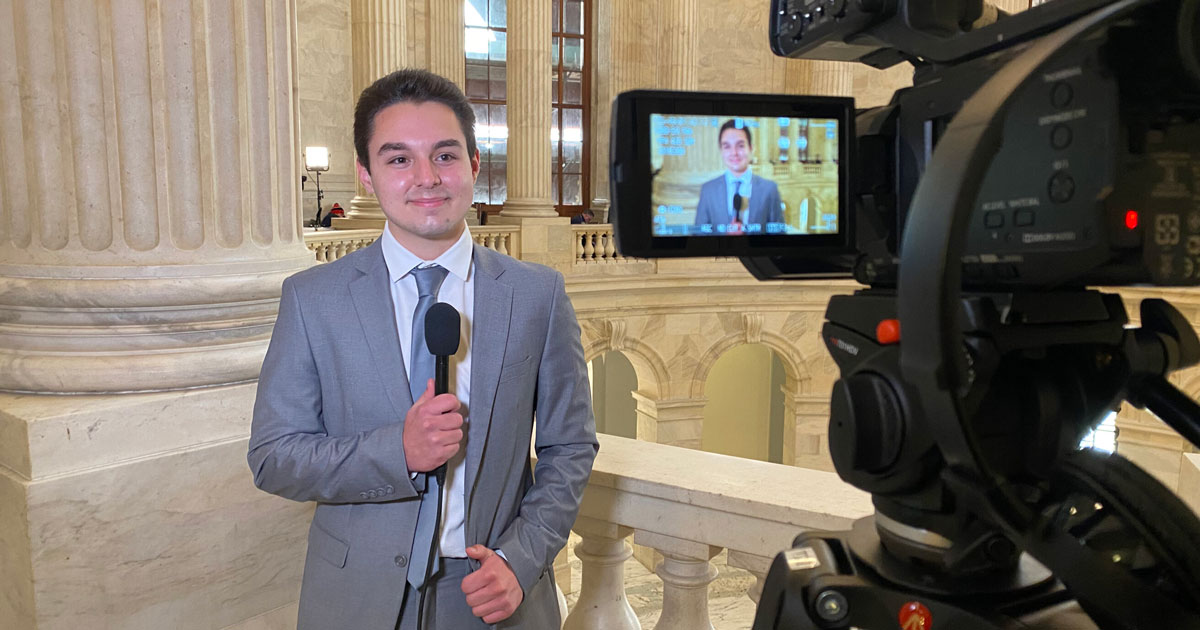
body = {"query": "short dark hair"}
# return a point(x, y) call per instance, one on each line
point(409, 85)
point(735, 123)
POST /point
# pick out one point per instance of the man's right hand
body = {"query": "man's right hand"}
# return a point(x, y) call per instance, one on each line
point(432, 430)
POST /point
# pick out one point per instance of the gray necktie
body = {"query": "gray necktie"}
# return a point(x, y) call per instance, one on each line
point(429, 280)
point(737, 201)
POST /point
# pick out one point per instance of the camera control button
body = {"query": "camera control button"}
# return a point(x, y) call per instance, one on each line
point(993, 219)
point(837, 8)
point(1061, 187)
point(1061, 136)
point(1023, 218)
point(1061, 94)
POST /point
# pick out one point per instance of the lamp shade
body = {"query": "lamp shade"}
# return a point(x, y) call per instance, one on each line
point(316, 158)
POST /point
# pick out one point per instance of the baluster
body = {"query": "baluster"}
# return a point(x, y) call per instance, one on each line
point(686, 573)
point(602, 604)
point(322, 253)
point(610, 250)
point(589, 251)
point(504, 238)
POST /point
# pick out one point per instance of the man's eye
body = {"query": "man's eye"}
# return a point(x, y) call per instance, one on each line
point(446, 157)
point(399, 159)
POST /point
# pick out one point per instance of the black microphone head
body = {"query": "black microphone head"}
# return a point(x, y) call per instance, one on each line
point(441, 330)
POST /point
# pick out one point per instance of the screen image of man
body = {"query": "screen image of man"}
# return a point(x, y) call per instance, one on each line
point(347, 414)
point(738, 198)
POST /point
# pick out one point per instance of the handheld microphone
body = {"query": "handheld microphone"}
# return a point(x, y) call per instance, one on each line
point(441, 337)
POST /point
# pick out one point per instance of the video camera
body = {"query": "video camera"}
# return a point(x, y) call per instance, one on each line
point(1036, 154)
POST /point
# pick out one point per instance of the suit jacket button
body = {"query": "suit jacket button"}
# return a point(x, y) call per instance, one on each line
point(362, 494)
point(401, 560)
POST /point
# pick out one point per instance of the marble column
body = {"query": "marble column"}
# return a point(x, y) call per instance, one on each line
point(679, 44)
point(529, 192)
point(602, 605)
point(444, 39)
point(149, 211)
point(676, 422)
point(377, 32)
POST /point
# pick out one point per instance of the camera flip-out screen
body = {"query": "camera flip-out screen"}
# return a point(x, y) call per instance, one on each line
point(730, 174)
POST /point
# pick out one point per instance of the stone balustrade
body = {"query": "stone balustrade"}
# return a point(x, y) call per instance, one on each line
point(330, 245)
point(594, 244)
point(505, 239)
point(754, 509)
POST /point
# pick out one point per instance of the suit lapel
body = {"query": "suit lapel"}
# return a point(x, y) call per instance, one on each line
point(489, 338)
point(372, 296)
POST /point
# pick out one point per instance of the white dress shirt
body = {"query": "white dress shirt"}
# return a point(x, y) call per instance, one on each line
point(457, 290)
point(731, 188)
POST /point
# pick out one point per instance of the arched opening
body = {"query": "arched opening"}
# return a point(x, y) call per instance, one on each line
point(613, 380)
point(744, 413)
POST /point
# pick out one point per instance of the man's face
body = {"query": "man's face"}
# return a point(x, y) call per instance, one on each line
point(735, 150)
point(421, 174)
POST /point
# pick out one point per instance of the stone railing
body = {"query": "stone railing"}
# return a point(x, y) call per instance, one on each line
point(505, 239)
point(689, 505)
point(594, 245)
point(330, 245)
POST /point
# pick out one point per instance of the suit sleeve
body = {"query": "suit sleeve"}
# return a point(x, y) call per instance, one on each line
point(705, 206)
point(291, 454)
point(774, 205)
point(565, 445)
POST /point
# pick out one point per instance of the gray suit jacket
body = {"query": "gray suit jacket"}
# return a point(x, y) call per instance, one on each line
point(329, 421)
point(765, 205)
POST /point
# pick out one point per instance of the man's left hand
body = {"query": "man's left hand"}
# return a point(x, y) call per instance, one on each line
point(493, 592)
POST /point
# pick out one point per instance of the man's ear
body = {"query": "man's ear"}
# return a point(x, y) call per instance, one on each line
point(475, 165)
point(364, 176)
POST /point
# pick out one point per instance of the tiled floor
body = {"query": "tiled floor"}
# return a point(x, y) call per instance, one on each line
point(729, 607)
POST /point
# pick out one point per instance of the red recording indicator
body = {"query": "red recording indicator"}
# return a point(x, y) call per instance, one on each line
point(1131, 219)
point(888, 331)
point(915, 616)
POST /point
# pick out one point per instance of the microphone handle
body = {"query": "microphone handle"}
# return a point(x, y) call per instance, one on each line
point(441, 385)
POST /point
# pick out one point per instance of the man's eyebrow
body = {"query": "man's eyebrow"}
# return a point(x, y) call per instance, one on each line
point(400, 146)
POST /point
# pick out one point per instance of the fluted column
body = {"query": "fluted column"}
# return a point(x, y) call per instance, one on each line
point(602, 605)
point(149, 206)
point(679, 44)
point(377, 33)
point(831, 78)
point(529, 192)
point(444, 37)
point(149, 213)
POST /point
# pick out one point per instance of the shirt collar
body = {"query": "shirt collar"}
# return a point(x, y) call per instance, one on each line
point(400, 261)
point(730, 178)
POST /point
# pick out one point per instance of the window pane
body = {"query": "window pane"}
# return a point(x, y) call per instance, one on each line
point(554, 47)
point(477, 76)
point(573, 17)
point(475, 12)
point(498, 122)
point(498, 15)
point(554, 98)
point(481, 183)
point(497, 47)
point(574, 88)
point(498, 83)
point(572, 140)
point(554, 16)
point(554, 140)
point(476, 41)
point(554, 194)
point(572, 190)
point(481, 126)
point(572, 53)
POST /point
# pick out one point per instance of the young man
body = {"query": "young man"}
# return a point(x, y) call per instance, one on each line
point(347, 416)
point(743, 202)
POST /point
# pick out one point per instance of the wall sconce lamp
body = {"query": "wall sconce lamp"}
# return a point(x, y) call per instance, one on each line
point(316, 160)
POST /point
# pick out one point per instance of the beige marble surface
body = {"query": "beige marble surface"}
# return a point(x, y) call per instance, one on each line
point(16, 572)
point(181, 540)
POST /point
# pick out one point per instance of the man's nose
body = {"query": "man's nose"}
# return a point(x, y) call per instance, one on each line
point(427, 173)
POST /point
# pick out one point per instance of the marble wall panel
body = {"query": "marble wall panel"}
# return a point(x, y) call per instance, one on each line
point(179, 541)
point(14, 444)
point(16, 572)
point(326, 95)
point(67, 434)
